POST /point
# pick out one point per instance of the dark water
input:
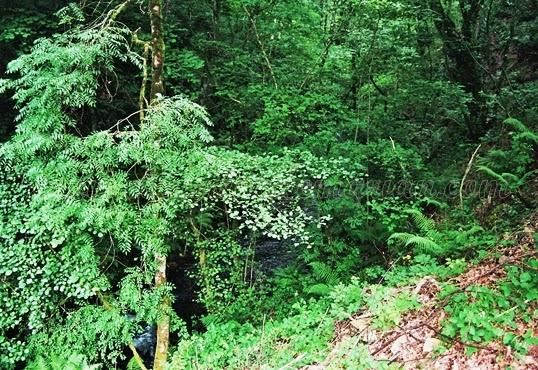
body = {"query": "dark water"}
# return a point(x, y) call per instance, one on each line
point(269, 255)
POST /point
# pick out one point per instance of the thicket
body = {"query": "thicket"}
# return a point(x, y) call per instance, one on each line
point(366, 143)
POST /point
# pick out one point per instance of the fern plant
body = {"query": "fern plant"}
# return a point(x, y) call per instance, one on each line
point(443, 240)
point(325, 277)
point(511, 167)
point(426, 242)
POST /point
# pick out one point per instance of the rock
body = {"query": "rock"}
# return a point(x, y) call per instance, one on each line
point(430, 345)
point(360, 323)
point(144, 343)
point(315, 367)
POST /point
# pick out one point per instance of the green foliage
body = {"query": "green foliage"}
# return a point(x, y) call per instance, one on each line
point(325, 276)
point(97, 334)
point(302, 336)
point(327, 119)
point(71, 14)
point(74, 362)
point(449, 240)
point(59, 76)
point(224, 271)
point(290, 117)
point(350, 354)
point(482, 314)
point(133, 192)
point(42, 268)
point(512, 167)
point(387, 306)
point(419, 266)
point(423, 244)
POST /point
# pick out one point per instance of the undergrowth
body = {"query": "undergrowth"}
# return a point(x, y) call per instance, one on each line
point(480, 314)
point(301, 331)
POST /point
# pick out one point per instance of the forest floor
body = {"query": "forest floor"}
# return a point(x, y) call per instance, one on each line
point(417, 341)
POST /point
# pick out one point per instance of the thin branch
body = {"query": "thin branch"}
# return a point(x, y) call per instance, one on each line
point(262, 47)
point(146, 46)
point(117, 125)
point(377, 86)
point(114, 13)
point(107, 306)
point(469, 165)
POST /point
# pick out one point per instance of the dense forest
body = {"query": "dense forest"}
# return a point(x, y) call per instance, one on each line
point(268, 184)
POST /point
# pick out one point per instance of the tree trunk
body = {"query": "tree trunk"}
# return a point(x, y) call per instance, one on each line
point(157, 49)
point(460, 49)
point(163, 325)
point(157, 89)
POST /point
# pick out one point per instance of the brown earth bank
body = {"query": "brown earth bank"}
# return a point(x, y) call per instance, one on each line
point(415, 342)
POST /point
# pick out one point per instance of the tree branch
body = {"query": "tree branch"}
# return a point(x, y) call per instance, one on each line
point(262, 47)
point(114, 13)
point(146, 46)
point(469, 165)
point(377, 86)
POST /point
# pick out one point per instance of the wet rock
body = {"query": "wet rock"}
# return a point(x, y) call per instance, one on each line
point(145, 343)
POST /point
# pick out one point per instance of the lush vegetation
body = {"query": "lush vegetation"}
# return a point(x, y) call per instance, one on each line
point(222, 184)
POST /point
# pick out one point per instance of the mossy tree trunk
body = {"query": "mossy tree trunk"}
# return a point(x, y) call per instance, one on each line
point(157, 49)
point(157, 89)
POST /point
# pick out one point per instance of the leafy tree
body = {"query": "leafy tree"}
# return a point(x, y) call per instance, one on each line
point(137, 191)
point(142, 133)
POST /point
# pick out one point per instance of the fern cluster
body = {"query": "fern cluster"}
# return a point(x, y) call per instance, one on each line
point(512, 167)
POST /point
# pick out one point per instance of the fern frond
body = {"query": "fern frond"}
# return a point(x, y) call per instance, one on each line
point(488, 171)
point(510, 177)
point(425, 224)
point(324, 273)
point(528, 175)
point(433, 202)
point(527, 136)
point(524, 132)
point(402, 237)
point(473, 230)
point(517, 124)
point(319, 289)
point(422, 243)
